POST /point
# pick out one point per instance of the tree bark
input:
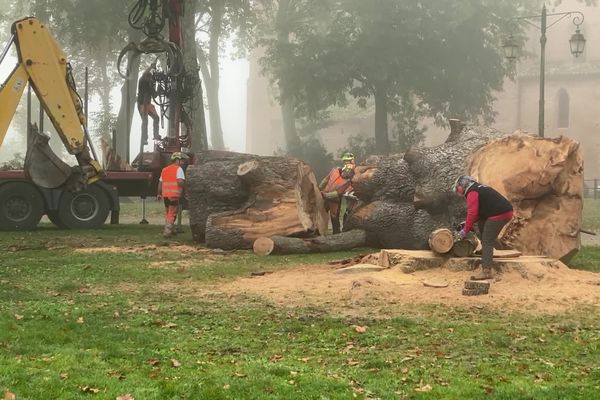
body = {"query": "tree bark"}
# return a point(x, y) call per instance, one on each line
point(382, 141)
point(403, 198)
point(287, 105)
point(213, 187)
point(209, 66)
point(236, 198)
point(290, 245)
point(195, 108)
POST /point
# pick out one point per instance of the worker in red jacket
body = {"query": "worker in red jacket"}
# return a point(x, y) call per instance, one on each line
point(491, 210)
point(334, 186)
point(170, 188)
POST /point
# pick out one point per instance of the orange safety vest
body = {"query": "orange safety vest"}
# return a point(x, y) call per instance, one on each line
point(336, 182)
point(170, 187)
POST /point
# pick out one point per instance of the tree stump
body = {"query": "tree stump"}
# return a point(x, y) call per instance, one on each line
point(289, 245)
point(441, 240)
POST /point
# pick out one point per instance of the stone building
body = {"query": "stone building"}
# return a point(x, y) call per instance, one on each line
point(572, 96)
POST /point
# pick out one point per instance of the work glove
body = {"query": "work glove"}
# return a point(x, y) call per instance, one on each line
point(462, 234)
point(330, 195)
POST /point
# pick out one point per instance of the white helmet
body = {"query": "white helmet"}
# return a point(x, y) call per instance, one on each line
point(464, 182)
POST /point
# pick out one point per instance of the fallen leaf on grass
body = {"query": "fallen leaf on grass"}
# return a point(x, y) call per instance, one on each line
point(175, 363)
point(115, 374)
point(276, 358)
point(304, 359)
point(9, 396)
point(64, 376)
point(352, 362)
point(360, 329)
point(126, 397)
point(80, 320)
point(89, 389)
point(18, 317)
point(424, 388)
point(226, 386)
point(240, 375)
point(153, 361)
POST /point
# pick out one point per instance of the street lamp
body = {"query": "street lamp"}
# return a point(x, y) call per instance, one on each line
point(577, 44)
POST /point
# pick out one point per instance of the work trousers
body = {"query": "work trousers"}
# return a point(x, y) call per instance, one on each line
point(489, 230)
point(145, 111)
point(171, 206)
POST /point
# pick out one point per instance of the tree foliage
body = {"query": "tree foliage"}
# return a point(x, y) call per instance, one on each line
point(444, 56)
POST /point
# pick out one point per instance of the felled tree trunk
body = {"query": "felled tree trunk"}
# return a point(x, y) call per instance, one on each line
point(405, 197)
point(289, 245)
point(213, 186)
point(280, 197)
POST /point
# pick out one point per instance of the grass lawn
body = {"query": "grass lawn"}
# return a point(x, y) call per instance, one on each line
point(80, 324)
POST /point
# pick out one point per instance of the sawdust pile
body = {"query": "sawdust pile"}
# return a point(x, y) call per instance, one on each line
point(534, 288)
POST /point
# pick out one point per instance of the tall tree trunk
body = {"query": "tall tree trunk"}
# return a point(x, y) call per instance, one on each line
point(128, 101)
point(382, 142)
point(195, 109)
point(211, 75)
point(287, 106)
point(289, 127)
point(105, 128)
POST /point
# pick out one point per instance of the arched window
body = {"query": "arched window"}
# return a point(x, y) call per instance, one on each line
point(563, 109)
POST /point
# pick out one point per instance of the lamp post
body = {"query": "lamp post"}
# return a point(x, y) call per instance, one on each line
point(577, 44)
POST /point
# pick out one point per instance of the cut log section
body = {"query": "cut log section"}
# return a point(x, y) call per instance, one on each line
point(441, 240)
point(288, 245)
point(236, 198)
point(465, 247)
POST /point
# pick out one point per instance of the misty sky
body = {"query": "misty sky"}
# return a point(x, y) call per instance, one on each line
point(234, 76)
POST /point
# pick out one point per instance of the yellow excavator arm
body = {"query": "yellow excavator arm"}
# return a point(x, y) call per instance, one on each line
point(43, 64)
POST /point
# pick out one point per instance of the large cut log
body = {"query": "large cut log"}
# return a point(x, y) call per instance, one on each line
point(405, 197)
point(289, 245)
point(543, 178)
point(213, 186)
point(283, 198)
point(441, 240)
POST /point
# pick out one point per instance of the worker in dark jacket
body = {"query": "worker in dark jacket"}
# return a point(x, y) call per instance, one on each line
point(334, 186)
point(146, 91)
point(491, 210)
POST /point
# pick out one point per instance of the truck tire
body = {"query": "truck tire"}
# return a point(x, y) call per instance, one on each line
point(82, 210)
point(21, 206)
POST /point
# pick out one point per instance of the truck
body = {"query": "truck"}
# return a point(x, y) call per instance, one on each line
point(81, 196)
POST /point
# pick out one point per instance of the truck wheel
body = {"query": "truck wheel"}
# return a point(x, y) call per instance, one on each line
point(21, 206)
point(84, 209)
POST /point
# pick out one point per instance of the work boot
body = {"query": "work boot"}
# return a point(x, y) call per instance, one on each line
point(486, 273)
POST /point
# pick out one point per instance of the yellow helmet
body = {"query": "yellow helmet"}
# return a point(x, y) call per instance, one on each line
point(347, 156)
point(179, 156)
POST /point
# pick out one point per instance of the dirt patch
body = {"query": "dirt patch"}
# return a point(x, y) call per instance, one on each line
point(535, 288)
point(166, 247)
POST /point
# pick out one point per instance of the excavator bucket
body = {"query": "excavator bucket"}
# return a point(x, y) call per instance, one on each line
point(42, 166)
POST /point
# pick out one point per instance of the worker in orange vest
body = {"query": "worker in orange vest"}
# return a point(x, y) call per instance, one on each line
point(334, 186)
point(170, 188)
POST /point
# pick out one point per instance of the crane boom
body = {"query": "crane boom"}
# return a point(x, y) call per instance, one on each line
point(44, 65)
